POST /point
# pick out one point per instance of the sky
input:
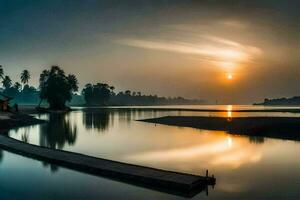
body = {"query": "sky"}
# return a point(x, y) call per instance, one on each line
point(230, 51)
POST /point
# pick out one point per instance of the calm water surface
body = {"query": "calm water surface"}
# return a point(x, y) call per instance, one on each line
point(245, 167)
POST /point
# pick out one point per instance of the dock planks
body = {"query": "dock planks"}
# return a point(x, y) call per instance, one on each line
point(171, 182)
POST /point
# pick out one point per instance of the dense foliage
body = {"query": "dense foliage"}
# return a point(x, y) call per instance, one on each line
point(103, 94)
point(25, 95)
point(56, 87)
point(97, 94)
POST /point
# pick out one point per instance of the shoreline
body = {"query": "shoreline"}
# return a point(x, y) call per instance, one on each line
point(275, 110)
point(16, 120)
point(31, 109)
point(287, 128)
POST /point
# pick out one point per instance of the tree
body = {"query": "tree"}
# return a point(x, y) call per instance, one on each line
point(9, 90)
point(128, 92)
point(1, 72)
point(7, 83)
point(17, 86)
point(25, 76)
point(57, 88)
point(98, 94)
point(73, 82)
point(43, 80)
point(28, 94)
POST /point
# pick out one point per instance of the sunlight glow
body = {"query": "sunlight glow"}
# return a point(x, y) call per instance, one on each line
point(229, 140)
point(229, 76)
point(229, 112)
point(221, 151)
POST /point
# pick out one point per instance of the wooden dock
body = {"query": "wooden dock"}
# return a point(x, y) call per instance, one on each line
point(171, 182)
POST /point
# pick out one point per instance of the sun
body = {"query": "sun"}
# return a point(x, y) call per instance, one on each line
point(229, 76)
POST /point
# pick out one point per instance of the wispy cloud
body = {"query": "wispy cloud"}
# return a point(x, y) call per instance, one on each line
point(229, 51)
point(201, 42)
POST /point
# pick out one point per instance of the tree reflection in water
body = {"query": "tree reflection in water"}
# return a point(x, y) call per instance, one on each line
point(101, 118)
point(25, 135)
point(58, 131)
point(97, 120)
point(1, 151)
point(53, 168)
point(256, 139)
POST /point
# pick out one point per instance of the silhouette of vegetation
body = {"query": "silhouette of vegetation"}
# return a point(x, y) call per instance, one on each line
point(97, 94)
point(57, 88)
point(293, 101)
point(1, 72)
point(58, 132)
point(25, 76)
point(26, 95)
point(102, 94)
point(6, 82)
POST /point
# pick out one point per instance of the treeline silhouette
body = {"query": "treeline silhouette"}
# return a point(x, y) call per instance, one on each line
point(293, 101)
point(57, 89)
point(102, 94)
point(20, 91)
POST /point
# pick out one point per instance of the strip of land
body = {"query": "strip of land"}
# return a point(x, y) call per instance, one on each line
point(14, 120)
point(32, 109)
point(176, 183)
point(273, 127)
point(269, 110)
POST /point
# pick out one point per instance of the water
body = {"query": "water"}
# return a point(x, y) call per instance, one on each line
point(245, 167)
point(23, 178)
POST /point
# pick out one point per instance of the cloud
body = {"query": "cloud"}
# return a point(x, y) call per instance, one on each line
point(212, 47)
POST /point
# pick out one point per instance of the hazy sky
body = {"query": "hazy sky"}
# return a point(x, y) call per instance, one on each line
point(165, 47)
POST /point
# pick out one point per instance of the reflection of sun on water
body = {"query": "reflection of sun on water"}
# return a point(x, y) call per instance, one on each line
point(229, 112)
point(215, 149)
point(229, 140)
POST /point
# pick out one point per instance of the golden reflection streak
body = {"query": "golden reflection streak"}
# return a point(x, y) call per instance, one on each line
point(229, 112)
point(221, 151)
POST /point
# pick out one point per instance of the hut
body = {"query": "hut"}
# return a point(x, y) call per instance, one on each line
point(4, 103)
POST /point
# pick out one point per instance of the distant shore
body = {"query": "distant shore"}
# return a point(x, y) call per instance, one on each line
point(272, 127)
point(31, 109)
point(161, 108)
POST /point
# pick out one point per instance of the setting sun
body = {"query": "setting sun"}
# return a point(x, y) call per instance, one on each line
point(229, 76)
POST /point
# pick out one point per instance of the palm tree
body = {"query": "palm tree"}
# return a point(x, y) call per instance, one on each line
point(25, 76)
point(1, 72)
point(43, 80)
point(17, 86)
point(6, 82)
point(73, 82)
